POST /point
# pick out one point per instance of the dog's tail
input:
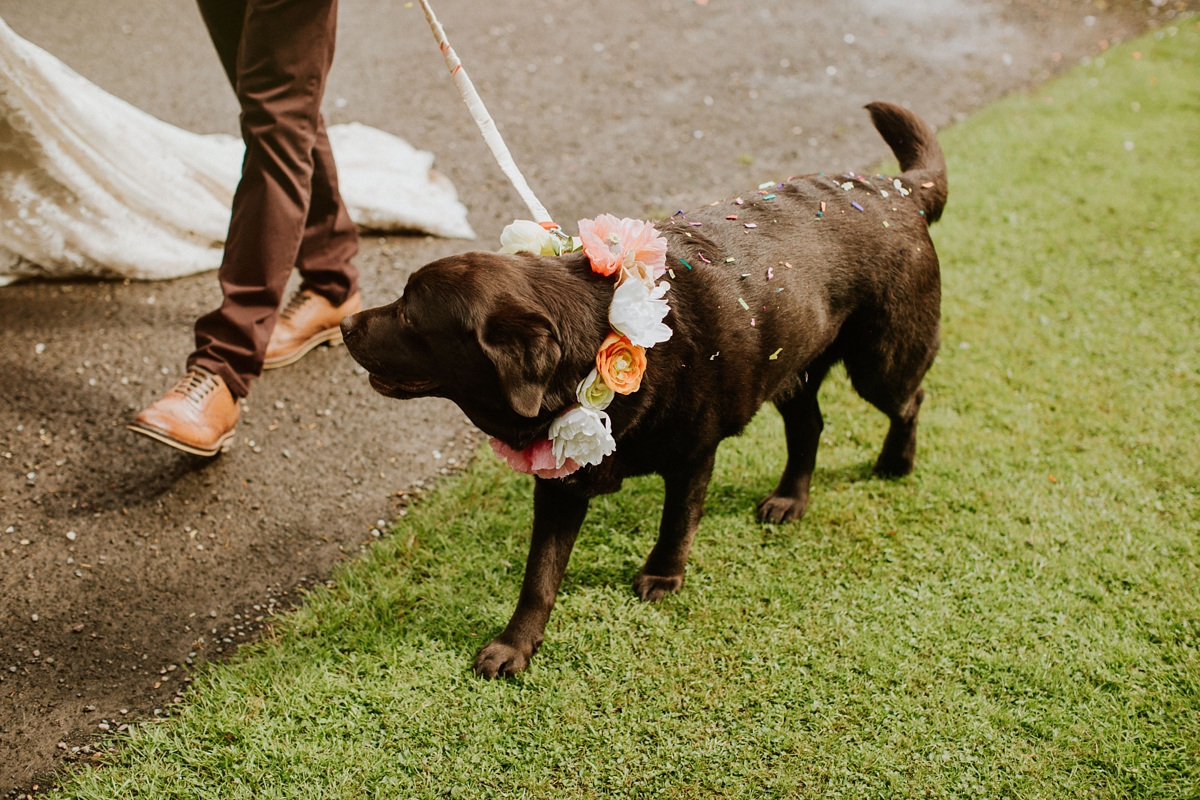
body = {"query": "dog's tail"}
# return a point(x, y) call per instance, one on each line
point(915, 145)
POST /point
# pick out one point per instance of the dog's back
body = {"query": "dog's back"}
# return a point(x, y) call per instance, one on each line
point(775, 286)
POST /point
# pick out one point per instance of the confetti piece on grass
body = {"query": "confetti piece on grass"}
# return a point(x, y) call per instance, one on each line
point(743, 304)
point(731, 216)
point(769, 197)
point(751, 225)
point(856, 205)
point(695, 224)
point(787, 264)
point(822, 206)
point(775, 356)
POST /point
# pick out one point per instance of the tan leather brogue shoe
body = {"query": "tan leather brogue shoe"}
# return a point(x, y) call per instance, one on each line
point(305, 322)
point(198, 415)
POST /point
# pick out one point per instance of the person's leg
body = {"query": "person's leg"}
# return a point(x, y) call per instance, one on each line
point(330, 238)
point(283, 57)
point(224, 19)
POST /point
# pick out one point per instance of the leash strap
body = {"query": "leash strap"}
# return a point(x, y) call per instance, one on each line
point(487, 126)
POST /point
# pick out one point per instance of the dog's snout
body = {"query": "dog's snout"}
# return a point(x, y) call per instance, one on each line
point(351, 325)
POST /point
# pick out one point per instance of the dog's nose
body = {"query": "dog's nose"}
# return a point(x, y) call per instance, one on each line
point(351, 325)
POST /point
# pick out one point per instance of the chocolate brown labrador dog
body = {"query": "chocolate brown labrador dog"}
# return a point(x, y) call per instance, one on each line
point(827, 270)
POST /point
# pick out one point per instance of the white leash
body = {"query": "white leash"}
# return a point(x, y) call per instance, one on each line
point(487, 125)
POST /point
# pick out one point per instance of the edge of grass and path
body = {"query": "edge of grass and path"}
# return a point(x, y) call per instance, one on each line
point(1019, 618)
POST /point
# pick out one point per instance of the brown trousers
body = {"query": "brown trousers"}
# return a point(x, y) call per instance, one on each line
point(287, 211)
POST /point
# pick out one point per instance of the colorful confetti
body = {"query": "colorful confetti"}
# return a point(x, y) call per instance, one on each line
point(766, 185)
point(671, 272)
point(702, 258)
point(775, 356)
point(847, 186)
point(751, 225)
point(729, 261)
point(769, 197)
point(743, 304)
point(885, 224)
point(787, 264)
point(685, 263)
point(856, 205)
point(731, 216)
point(770, 273)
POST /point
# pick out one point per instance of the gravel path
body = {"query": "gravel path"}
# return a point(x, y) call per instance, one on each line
point(122, 561)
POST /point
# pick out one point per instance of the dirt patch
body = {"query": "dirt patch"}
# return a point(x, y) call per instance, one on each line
point(123, 562)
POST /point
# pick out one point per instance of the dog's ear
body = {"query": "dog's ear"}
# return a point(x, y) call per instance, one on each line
point(523, 345)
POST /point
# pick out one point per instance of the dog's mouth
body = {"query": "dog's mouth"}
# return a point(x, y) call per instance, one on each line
point(401, 389)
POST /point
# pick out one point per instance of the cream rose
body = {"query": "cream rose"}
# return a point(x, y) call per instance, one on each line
point(582, 435)
point(525, 236)
point(593, 392)
point(637, 312)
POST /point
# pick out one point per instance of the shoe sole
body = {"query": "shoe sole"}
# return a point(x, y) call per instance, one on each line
point(331, 335)
point(178, 445)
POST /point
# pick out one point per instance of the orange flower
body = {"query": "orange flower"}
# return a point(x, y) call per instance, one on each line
point(621, 364)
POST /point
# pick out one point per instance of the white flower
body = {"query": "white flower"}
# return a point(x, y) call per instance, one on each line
point(525, 236)
point(582, 435)
point(637, 312)
point(593, 392)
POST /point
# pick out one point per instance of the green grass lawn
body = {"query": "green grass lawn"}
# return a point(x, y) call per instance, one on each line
point(1019, 618)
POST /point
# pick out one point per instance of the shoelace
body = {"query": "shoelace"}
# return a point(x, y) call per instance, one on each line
point(196, 385)
point(295, 304)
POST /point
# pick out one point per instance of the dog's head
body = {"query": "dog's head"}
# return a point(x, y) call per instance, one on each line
point(497, 334)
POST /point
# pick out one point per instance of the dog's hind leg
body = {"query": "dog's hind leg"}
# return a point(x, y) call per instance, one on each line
point(889, 378)
point(557, 517)
point(802, 425)
point(683, 506)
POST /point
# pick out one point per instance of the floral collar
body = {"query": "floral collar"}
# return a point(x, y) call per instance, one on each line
point(636, 253)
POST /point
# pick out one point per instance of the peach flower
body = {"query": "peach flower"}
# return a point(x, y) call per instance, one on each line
point(621, 364)
point(611, 244)
point(537, 459)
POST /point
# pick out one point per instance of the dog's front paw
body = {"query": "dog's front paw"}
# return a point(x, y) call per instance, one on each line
point(775, 508)
point(500, 659)
point(653, 588)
